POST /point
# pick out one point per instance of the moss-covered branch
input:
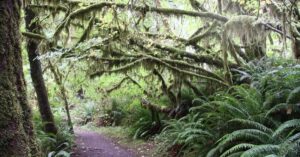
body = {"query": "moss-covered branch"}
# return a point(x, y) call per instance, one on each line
point(198, 58)
point(137, 84)
point(122, 68)
point(48, 7)
point(147, 104)
point(166, 11)
point(208, 32)
point(86, 31)
point(119, 60)
point(187, 72)
point(217, 62)
point(167, 63)
point(174, 62)
point(117, 86)
point(182, 63)
point(34, 36)
point(177, 39)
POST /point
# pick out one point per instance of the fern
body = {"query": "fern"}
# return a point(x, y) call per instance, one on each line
point(237, 154)
point(272, 155)
point(253, 124)
point(237, 148)
point(276, 108)
point(246, 134)
point(267, 149)
point(294, 96)
point(259, 140)
point(286, 125)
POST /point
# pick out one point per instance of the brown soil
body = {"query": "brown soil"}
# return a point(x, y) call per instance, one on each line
point(92, 144)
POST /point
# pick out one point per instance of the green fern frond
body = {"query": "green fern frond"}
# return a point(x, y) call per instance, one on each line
point(241, 135)
point(294, 138)
point(237, 154)
point(295, 123)
point(272, 155)
point(276, 108)
point(206, 106)
point(232, 110)
point(198, 132)
point(294, 96)
point(252, 124)
point(237, 148)
point(244, 134)
point(260, 150)
point(213, 152)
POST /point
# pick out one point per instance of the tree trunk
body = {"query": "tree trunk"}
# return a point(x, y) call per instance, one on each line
point(17, 138)
point(295, 33)
point(37, 74)
point(296, 47)
point(59, 82)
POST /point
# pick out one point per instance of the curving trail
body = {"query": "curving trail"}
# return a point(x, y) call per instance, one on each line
point(92, 144)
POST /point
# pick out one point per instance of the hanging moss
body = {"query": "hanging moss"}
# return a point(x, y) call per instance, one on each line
point(247, 28)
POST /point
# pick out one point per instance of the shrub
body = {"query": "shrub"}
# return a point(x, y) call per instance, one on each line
point(58, 145)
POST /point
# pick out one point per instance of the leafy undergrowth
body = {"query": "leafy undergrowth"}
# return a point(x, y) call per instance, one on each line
point(51, 145)
point(259, 118)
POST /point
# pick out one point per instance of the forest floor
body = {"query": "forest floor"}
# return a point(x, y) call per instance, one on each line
point(94, 144)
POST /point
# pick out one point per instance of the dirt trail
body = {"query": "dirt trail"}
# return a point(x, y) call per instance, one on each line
point(92, 144)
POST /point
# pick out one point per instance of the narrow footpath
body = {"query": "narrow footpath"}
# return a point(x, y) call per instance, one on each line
point(93, 144)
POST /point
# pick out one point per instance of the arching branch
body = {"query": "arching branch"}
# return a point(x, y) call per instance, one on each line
point(165, 11)
point(188, 72)
point(117, 86)
point(208, 32)
point(34, 36)
point(86, 31)
point(48, 7)
point(123, 68)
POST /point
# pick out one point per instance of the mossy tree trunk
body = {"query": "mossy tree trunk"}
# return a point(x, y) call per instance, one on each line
point(37, 74)
point(295, 33)
point(17, 138)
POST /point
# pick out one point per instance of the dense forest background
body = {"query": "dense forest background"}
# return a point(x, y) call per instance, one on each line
point(203, 78)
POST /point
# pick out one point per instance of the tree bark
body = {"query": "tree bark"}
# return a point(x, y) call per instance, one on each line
point(17, 138)
point(295, 33)
point(37, 74)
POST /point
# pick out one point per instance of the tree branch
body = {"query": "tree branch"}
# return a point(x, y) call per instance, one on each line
point(34, 36)
point(117, 85)
point(208, 32)
point(187, 72)
point(123, 68)
point(49, 7)
point(166, 11)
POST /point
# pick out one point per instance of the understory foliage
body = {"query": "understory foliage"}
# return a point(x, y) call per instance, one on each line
point(246, 120)
point(51, 145)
